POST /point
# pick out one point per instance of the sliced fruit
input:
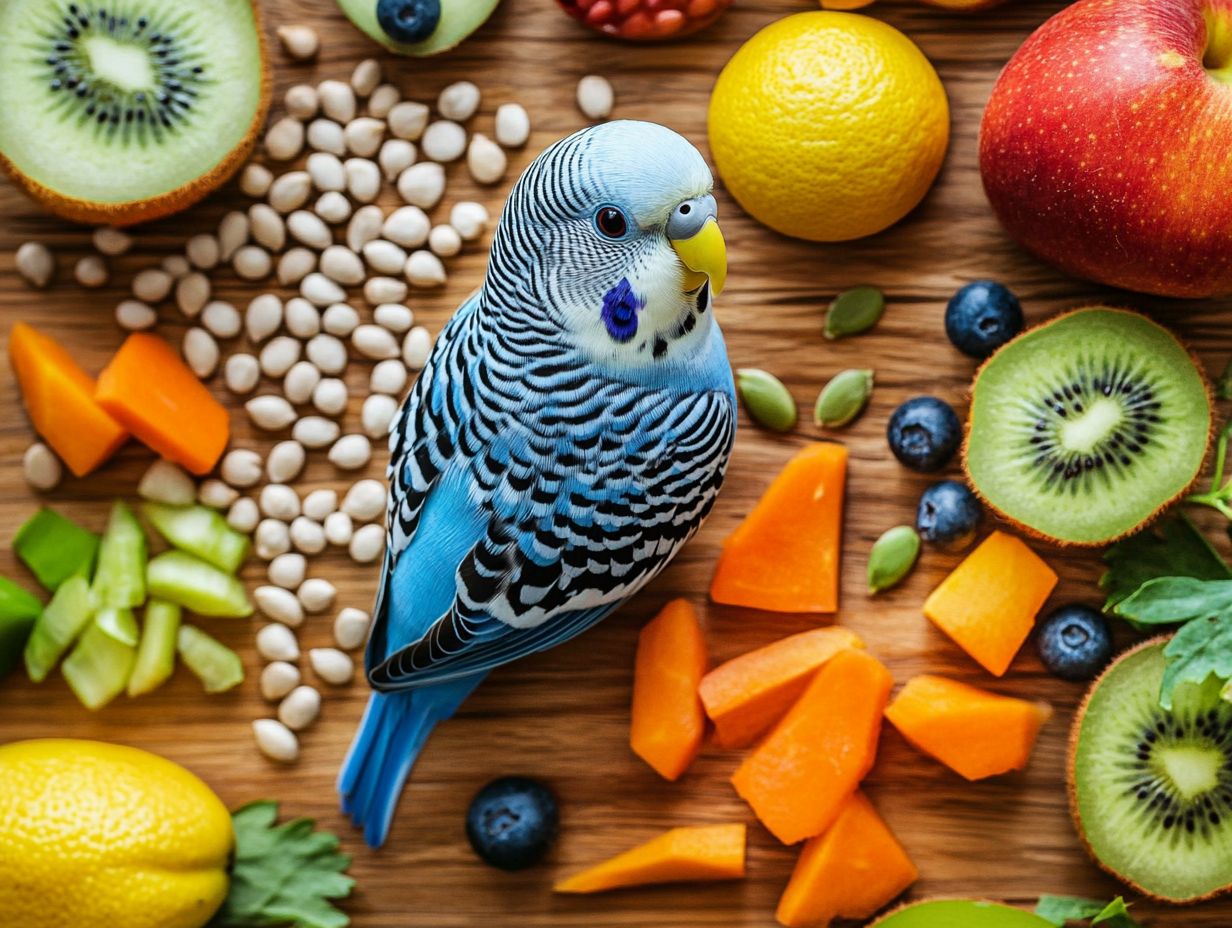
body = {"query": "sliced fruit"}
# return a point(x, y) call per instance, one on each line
point(156, 652)
point(989, 602)
point(798, 778)
point(99, 665)
point(433, 26)
point(201, 531)
point(1151, 789)
point(119, 578)
point(974, 732)
point(960, 913)
point(192, 583)
point(57, 627)
point(852, 870)
point(1083, 429)
point(749, 693)
point(668, 721)
point(784, 556)
point(122, 112)
point(683, 855)
point(55, 548)
point(19, 610)
point(214, 664)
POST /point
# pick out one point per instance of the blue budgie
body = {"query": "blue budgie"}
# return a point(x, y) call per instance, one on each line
point(568, 435)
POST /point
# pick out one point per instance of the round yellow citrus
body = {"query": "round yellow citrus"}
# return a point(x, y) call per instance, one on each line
point(828, 126)
point(99, 834)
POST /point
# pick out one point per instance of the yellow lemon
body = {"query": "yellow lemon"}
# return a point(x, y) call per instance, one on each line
point(97, 834)
point(828, 126)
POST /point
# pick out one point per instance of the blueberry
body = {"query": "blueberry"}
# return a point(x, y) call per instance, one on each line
point(924, 433)
point(408, 20)
point(948, 515)
point(512, 822)
point(981, 317)
point(1074, 642)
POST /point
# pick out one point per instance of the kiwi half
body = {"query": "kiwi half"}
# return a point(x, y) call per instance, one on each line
point(1084, 428)
point(119, 111)
point(960, 913)
point(1151, 789)
point(458, 19)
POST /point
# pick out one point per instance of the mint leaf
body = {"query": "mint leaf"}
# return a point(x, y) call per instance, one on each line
point(1172, 547)
point(1199, 649)
point(1115, 913)
point(1061, 910)
point(1170, 600)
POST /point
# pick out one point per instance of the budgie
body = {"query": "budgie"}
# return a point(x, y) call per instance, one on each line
point(568, 435)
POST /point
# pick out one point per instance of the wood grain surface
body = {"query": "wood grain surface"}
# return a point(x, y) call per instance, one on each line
point(563, 716)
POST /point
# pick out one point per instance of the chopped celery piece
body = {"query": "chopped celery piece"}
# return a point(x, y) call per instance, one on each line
point(55, 548)
point(201, 531)
point(98, 667)
point(58, 626)
point(119, 579)
point(217, 666)
point(156, 653)
point(204, 589)
point(18, 612)
point(120, 624)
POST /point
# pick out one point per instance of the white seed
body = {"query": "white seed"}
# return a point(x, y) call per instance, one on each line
point(278, 501)
point(351, 628)
point(111, 242)
point(277, 643)
point(373, 341)
point(300, 708)
point(393, 316)
point(90, 271)
point(384, 257)
point(595, 96)
point(232, 234)
point(327, 353)
point(407, 120)
point(315, 431)
point(42, 470)
point(268, 227)
point(270, 412)
point(307, 536)
point(512, 125)
point(252, 263)
point(135, 315)
point(203, 251)
point(485, 159)
point(263, 316)
point(287, 570)
point(301, 102)
point(424, 269)
point(285, 461)
point(408, 226)
point(331, 665)
point(422, 184)
point(271, 539)
point(216, 494)
point(340, 319)
point(307, 228)
point(290, 191)
point(364, 226)
point(340, 264)
point(240, 373)
point(278, 354)
point(243, 515)
point(416, 348)
point(367, 544)
point(300, 41)
point(300, 381)
point(363, 179)
point(326, 171)
point(338, 529)
point(388, 377)
point(330, 397)
point(469, 218)
point(192, 292)
point(279, 604)
point(337, 100)
point(303, 320)
point(395, 156)
point(458, 101)
point(175, 265)
point(221, 319)
point(164, 482)
point(443, 141)
point(35, 264)
point(445, 241)
point(350, 452)
point(285, 139)
point(152, 285)
point(377, 414)
point(256, 180)
point(365, 77)
point(241, 467)
point(200, 351)
point(326, 135)
point(383, 99)
point(296, 264)
point(365, 500)
point(320, 503)
point(276, 741)
point(278, 679)
point(363, 136)
point(316, 594)
point(384, 290)
point(320, 290)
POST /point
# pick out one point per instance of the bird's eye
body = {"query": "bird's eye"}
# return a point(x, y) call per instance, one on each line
point(611, 222)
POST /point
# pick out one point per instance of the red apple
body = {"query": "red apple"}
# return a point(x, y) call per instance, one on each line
point(1106, 147)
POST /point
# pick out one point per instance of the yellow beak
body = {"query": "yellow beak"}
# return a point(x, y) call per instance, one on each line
point(705, 257)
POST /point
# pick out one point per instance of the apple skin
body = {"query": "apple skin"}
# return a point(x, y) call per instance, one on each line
point(1105, 145)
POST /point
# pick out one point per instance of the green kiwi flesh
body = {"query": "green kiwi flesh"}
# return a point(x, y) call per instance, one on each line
point(1151, 790)
point(1084, 428)
point(459, 18)
point(960, 913)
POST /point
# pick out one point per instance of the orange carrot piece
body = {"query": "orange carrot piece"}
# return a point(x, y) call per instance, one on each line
point(798, 778)
point(149, 389)
point(59, 397)
point(851, 871)
point(989, 603)
point(784, 556)
point(701, 853)
point(668, 722)
point(749, 693)
point(974, 732)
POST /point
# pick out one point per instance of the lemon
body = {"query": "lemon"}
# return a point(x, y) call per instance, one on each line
point(828, 126)
point(97, 834)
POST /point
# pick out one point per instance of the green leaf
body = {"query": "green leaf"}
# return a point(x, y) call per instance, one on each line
point(1199, 649)
point(1172, 547)
point(1115, 913)
point(1061, 910)
point(284, 874)
point(1169, 600)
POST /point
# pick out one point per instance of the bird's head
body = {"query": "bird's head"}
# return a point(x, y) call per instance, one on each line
point(610, 241)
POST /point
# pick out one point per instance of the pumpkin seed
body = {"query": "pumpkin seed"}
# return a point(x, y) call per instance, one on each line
point(854, 311)
point(767, 399)
point(843, 398)
point(892, 557)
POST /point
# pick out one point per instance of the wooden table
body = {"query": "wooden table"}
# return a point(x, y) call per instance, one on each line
point(563, 716)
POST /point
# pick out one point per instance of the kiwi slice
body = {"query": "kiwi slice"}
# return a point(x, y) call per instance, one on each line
point(1151, 789)
point(118, 111)
point(454, 21)
point(1084, 428)
point(960, 913)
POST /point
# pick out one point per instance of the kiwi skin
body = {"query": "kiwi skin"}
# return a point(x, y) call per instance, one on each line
point(1061, 542)
point(131, 212)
